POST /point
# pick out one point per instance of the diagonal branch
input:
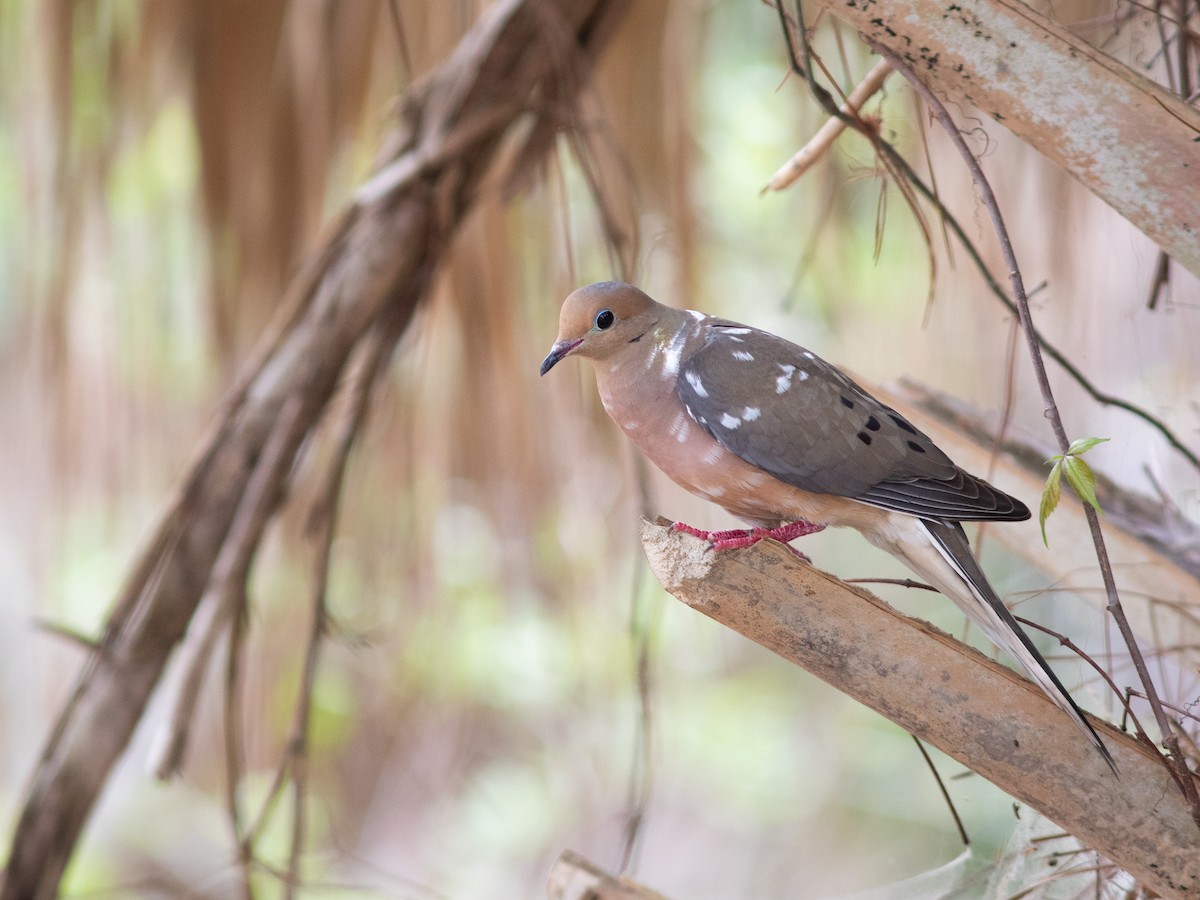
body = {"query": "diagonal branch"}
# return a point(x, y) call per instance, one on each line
point(1126, 139)
point(937, 689)
point(378, 256)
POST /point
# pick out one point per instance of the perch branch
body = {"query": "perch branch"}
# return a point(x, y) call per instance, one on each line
point(984, 715)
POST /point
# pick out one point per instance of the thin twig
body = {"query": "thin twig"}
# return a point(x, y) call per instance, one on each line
point(641, 774)
point(322, 526)
point(820, 142)
point(958, 823)
point(899, 582)
point(1122, 696)
point(226, 593)
point(1159, 280)
point(235, 762)
point(406, 66)
point(1171, 706)
point(1175, 757)
point(67, 633)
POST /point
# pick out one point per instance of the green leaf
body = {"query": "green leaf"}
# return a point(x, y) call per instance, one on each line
point(1082, 480)
point(1083, 445)
point(1050, 497)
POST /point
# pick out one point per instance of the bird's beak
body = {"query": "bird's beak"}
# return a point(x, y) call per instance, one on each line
point(557, 352)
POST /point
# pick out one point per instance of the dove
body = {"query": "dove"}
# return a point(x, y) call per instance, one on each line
point(788, 444)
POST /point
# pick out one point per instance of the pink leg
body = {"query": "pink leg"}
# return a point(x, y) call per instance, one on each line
point(743, 537)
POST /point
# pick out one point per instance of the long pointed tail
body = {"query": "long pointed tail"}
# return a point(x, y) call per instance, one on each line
point(985, 609)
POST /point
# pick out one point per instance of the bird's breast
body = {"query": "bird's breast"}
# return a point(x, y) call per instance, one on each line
point(650, 413)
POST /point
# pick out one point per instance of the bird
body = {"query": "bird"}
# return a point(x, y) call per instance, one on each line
point(788, 444)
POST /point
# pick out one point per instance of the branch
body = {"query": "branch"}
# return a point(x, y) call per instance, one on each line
point(894, 161)
point(988, 197)
point(984, 715)
point(1135, 148)
point(574, 877)
point(374, 264)
point(820, 142)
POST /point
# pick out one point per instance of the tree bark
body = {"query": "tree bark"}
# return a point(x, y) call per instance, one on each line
point(523, 61)
point(1127, 140)
point(984, 715)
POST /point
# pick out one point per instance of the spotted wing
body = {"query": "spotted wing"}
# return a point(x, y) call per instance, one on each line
point(787, 411)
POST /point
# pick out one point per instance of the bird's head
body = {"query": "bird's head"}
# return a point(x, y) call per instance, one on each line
point(600, 320)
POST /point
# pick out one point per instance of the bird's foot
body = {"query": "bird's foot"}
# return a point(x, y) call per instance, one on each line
point(745, 537)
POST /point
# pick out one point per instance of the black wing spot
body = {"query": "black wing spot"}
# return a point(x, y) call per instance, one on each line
point(864, 437)
point(900, 422)
point(848, 403)
point(873, 423)
point(915, 446)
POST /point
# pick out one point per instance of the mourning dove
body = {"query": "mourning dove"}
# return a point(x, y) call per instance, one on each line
point(787, 443)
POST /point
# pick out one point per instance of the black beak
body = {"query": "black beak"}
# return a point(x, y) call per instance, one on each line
point(557, 352)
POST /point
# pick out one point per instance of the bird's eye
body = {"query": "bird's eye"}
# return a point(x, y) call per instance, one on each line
point(604, 319)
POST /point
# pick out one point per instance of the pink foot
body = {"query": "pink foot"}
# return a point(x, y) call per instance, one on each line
point(745, 537)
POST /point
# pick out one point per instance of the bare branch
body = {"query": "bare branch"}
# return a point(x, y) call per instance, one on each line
point(984, 715)
point(377, 257)
point(575, 878)
point(1137, 150)
point(820, 142)
point(988, 197)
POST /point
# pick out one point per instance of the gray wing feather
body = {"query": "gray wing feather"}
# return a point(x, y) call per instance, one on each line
point(787, 411)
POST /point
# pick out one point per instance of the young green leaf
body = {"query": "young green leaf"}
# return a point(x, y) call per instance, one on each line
point(1082, 480)
point(1050, 497)
point(1083, 445)
point(1080, 477)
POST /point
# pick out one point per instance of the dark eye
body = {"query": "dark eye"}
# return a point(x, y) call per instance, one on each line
point(604, 319)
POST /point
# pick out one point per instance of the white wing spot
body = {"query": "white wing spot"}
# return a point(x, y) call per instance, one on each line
point(695, 315)
point(750, 413)
point(784, 382)
point(697, 385)
point(730, 421)
point(736, 330)
point(804, 374)
point(680, 427)
point(743, 356)
point(808, 355)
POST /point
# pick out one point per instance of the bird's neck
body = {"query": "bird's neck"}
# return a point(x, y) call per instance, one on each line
point(631, 382)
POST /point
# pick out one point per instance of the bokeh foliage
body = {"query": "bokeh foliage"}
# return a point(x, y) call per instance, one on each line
point(164, 168)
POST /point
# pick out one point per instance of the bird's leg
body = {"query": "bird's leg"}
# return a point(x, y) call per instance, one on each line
point(745, 537)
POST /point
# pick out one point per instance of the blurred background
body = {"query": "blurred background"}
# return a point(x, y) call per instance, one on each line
point(165, 167)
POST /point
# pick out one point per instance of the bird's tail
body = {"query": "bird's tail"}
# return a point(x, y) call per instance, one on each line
point(972, 593)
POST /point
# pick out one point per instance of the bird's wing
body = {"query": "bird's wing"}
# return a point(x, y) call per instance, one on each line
point(784, 409)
